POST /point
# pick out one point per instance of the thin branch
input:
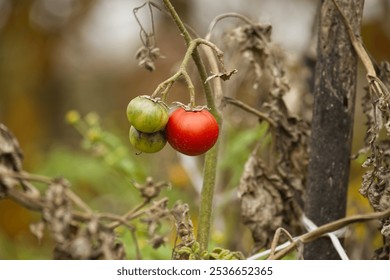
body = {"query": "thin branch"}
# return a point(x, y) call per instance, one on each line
point(38, 205)
point(164, 87)
point(136, 245)
point(116, 219)
point(276, 238)
point(28, 177)
point(196, 57)
point(35, 204)
point(190, 87)
point(372, 78)
point(249, 109)
point(78, 201)
point(224, 16)
point(310, 226)
point(357, 44)
point(146, 42)
point(327, 228)
point(218, 92)
point(45, 180)
point(129, 214)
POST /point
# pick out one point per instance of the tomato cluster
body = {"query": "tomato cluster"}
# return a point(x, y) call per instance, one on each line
point(191, 132)
point(148, 118)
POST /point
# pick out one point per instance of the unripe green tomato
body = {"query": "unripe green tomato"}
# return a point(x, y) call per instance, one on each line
point(147, 114)
point(147, 142)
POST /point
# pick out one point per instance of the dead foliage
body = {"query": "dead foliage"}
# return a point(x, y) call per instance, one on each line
point(376, 180)
point(272, 185)
point(77, 231)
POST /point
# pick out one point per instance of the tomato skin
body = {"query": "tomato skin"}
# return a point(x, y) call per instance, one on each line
point(191, 132)
point(146, 114)
point(147, 142)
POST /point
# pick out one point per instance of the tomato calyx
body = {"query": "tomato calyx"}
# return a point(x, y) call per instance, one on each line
point(155, 100)
point(191, 108)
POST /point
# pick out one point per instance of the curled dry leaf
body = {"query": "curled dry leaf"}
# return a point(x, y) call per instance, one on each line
point(157, 241)
point(147, 56)
point(376, 179)
point(10, 152)
point(185, 230)
point(38, 230)
point(224, 76)
point(150, 190)
point(154, 216)
point(267, 202)
point(57, 212)
point(253, 43)
point(271, 188)
point(261, 202)
point(11, 157)
point(76, 234)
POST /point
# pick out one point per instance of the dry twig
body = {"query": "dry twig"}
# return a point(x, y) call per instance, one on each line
point(327, 228)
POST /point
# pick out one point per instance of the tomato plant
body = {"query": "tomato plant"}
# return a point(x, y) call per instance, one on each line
point(192, 132)
point(147, 142)
point(146, 114)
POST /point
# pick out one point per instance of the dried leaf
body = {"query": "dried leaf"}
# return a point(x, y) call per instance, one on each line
point(264, 206)
point(271, 188)
point(146, 57)
point(80, 248)
point(376, 180)
point(185, 231)
point(224, 76)
point(37, 229)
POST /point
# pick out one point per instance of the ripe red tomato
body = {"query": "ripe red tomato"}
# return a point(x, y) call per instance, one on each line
point(191, 132)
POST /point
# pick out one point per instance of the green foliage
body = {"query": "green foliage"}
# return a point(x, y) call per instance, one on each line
point(147, 252)
point(239, 145)
point(92, 179)
point(105, 178)
point(105, 174)
point(106, 145)
point(21, 248)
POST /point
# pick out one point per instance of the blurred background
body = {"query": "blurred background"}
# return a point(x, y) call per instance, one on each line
point(61, 55)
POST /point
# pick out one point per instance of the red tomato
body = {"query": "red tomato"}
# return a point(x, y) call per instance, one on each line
point(191, 132)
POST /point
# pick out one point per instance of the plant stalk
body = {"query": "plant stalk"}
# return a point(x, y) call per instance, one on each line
point(211, 159)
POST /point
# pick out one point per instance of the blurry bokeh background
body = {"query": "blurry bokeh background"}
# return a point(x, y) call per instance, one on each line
point(61, 55)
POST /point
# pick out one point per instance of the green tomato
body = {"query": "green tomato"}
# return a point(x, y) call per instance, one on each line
point(147, 142)
point(146, 114)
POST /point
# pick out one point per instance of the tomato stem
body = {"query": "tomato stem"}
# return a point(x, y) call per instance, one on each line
point(165, 86)
point(211, 159)
point(164, 93)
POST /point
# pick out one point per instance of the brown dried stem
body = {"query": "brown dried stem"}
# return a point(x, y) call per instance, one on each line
point(227, 15)
point(37, 203)
point(249, 109)
point(374, 82)
point(327, 228)
point(276, 238)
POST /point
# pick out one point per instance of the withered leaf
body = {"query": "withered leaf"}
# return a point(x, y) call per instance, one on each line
point(224, 76)
point(37, 229)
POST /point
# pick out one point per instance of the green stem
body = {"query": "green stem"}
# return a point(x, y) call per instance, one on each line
point(207, 197)
point(165, 86)
point(210, 164)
